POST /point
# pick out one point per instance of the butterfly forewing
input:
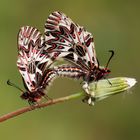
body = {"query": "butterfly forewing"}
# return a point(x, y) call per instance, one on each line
point(68, 40)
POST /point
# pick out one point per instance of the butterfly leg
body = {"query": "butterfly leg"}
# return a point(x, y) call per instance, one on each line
point(47, 97)
point(32, 104)
point(89, 98)
point(86, 87)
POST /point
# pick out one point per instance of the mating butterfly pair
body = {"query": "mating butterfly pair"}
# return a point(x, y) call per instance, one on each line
point(62, 39)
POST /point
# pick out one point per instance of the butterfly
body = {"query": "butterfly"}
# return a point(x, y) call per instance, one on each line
point(33, 64)
point(66, 39)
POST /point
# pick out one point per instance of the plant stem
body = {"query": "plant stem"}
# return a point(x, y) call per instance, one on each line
point(42, 105)
point(103, 90)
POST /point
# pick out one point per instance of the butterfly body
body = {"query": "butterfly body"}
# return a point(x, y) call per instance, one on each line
point(33, 64)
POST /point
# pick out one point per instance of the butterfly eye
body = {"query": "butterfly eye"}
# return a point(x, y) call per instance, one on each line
point(109, 71)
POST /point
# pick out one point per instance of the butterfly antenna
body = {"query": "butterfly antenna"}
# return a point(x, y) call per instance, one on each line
point(98, 63)
point(112, 54)
point(109, 81)
point(13, 85)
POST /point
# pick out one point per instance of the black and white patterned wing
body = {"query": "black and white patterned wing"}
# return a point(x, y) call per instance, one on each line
point(31, 58)
point(65, 39)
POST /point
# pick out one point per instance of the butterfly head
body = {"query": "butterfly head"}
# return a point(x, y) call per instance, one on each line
point(32, 97)
point(99, 73)
point(102, 73)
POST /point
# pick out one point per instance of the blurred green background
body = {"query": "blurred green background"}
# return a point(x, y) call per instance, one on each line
point(115, 25)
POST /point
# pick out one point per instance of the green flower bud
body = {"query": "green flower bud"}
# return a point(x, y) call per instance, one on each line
point(104, 88)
